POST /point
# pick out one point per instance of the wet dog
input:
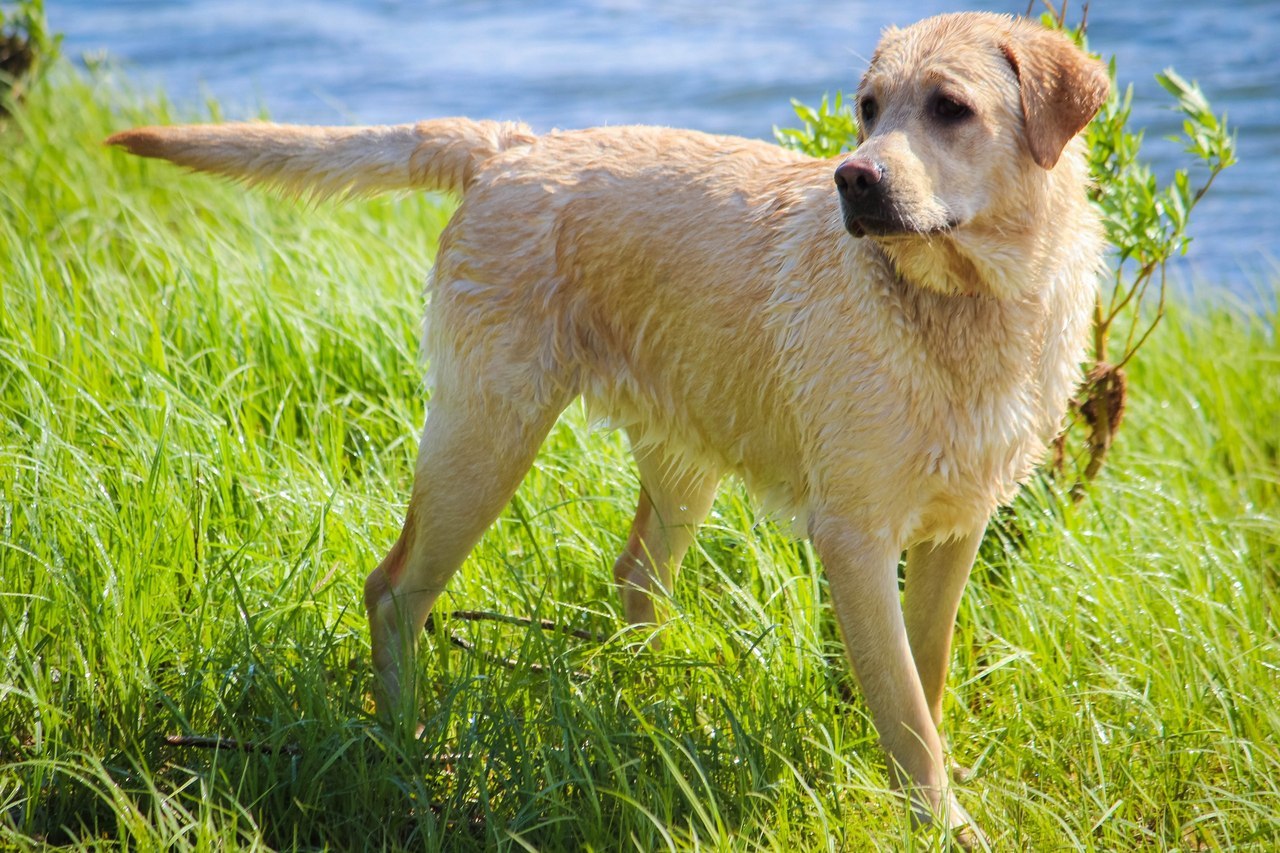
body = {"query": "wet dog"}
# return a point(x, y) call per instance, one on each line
point(881, 344)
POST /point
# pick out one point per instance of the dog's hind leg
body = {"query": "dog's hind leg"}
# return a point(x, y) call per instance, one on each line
point(674, 499)
point(473, 454)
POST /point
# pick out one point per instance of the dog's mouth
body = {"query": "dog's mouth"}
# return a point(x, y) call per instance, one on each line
point(864, 223)
point(866, 226)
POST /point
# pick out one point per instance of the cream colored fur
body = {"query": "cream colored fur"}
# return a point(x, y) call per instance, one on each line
point(703, 293)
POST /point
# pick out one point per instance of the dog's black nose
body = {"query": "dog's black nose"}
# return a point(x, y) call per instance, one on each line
point(858, 177)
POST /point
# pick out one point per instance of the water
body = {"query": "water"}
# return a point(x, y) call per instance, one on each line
point(728, 68)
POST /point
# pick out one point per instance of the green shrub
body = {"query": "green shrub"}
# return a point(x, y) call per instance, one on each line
point(25, 45)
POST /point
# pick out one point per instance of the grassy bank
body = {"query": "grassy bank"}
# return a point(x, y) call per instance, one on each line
point(209, 401)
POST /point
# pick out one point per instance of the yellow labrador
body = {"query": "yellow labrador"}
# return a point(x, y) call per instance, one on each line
point(882, 343)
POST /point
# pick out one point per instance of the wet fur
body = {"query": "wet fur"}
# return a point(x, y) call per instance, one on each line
point(703, 293)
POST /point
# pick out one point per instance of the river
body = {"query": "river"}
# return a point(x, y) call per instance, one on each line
point(728, 68)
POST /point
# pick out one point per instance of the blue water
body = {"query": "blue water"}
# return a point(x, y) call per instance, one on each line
point(724, 68)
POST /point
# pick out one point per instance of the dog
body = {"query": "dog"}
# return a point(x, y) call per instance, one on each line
point(881, 345)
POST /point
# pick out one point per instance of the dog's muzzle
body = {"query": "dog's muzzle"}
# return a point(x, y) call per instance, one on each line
point(863, 190)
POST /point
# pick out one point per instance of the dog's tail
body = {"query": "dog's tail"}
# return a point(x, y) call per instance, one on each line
point(323, 162)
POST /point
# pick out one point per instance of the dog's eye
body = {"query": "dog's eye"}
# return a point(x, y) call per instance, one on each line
point(869, 110)
point(949, 109)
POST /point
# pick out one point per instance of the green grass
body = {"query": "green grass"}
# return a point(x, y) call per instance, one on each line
point(209, 401)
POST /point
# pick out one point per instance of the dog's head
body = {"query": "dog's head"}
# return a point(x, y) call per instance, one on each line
point(956, 114)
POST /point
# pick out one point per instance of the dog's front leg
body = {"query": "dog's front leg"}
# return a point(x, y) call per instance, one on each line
point(936, 576)
point(862, 575)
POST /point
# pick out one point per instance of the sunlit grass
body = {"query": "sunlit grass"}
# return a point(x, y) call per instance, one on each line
point(209, 401)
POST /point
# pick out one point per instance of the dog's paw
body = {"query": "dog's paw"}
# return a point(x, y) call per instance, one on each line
point(963, 829)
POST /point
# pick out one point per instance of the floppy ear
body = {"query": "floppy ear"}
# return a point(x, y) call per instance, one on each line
point(1062, 87)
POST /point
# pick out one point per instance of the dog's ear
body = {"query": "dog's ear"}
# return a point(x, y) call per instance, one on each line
point(1062, 87)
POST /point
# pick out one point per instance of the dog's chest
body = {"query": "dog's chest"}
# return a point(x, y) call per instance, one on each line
point(972, 455)
point(976, 428)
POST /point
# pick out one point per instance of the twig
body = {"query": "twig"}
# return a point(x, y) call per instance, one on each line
point(522, 621)
point(526, 622)
point(216, 742)
point(1133, 348)
point(1139, 287)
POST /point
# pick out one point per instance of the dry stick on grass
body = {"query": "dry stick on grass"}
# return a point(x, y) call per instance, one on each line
point(216, 742)
point(524, 621)
point(291, 749)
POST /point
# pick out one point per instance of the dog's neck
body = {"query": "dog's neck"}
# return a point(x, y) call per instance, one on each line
point(1020, 288)
point(936, 264)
